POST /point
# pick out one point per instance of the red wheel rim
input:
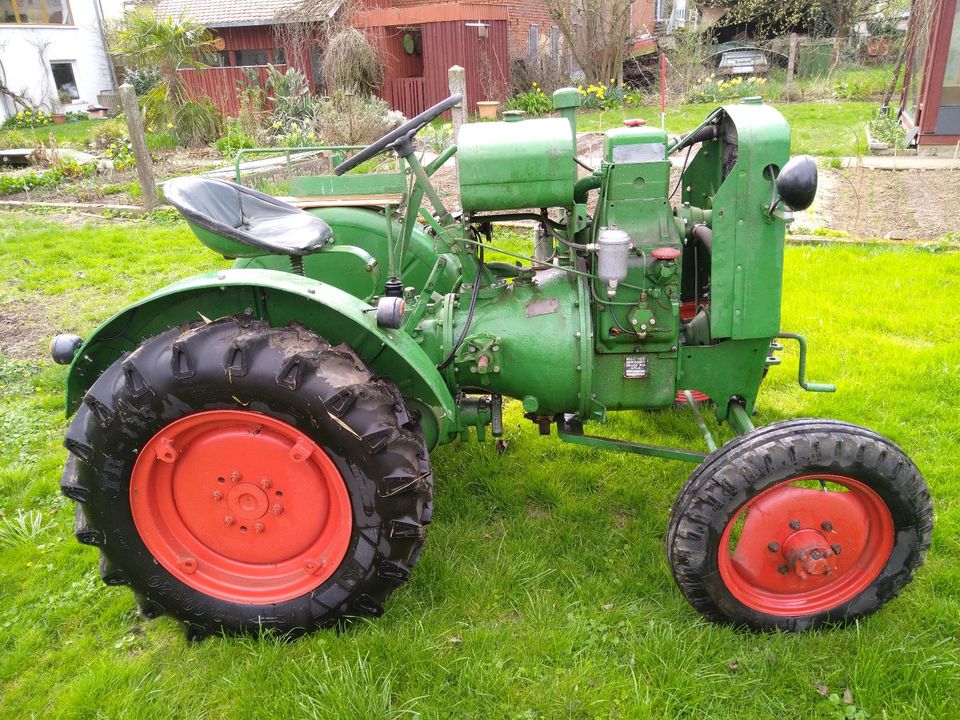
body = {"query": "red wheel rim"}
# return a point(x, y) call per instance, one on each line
point(241, 506)
point(802, 551)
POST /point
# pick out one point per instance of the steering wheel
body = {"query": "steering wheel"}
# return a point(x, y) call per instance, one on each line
point(409, 128)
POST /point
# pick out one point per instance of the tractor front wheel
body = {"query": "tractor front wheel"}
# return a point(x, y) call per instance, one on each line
point(798, 524)
point(242, 477)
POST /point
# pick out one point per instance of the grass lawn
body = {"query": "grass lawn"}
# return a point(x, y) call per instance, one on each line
point(76, 133)
point(544, 590)
point(817, 128)
point(81, 133)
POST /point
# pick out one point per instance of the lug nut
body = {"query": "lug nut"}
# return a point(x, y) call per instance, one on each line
point(236, 476)
point(826, 525)
point(815, 554)
point(277, 509)
point(265, 483)
point(794, 524)
point(217, 496)
point(783, 569)
point(773, 546)
point(228, 521)
point(258, 528)
point(836, 548)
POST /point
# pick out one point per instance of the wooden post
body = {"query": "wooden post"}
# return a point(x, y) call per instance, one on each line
point(148, 187)
point(792, 57)
point(458, 84)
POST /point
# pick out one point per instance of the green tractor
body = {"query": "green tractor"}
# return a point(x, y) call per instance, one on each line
point(250, 448)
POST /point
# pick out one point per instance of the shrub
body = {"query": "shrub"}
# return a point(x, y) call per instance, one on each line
point(144, 79)
point(352, 64)
point(235, 139)
point(436, 137)
point(197, 123)
point(289, 93)
point(533, 101)
point(15, 139)
point(110, 131)
point(354, 120)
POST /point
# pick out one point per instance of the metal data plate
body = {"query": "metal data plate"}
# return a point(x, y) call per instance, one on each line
point(544, 306)
point(635, 367)
point(639, 153)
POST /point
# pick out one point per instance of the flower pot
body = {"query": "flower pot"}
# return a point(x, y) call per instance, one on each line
point(58, 118)
point(487, 109)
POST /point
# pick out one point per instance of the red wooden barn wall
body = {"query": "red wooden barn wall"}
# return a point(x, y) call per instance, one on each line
point(454, 43)
point(219, 84)
point(412, 83)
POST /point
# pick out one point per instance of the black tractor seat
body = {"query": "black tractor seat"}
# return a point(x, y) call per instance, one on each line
point(247, 216)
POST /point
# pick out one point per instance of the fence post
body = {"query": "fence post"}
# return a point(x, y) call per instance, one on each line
point(458, 84)
point(148, 187)
point(792, 57)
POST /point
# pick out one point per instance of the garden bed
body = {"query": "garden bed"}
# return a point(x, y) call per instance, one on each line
point(899, 204)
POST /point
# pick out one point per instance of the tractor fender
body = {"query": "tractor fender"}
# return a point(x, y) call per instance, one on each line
point(278, 298)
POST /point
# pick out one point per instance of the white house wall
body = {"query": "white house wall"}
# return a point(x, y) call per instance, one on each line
point(80, 44)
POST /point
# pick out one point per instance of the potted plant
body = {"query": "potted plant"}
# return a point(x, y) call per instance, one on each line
point(57, 114)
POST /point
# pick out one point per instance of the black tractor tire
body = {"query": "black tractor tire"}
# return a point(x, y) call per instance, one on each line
point(734, 475)
point(286, 373)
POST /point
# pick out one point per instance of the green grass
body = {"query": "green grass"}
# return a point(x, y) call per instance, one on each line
point(73, 133)
point(81, 133)
point(817, 128)
point(543, 591)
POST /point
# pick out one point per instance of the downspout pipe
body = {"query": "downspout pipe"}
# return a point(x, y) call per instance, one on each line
point(112, 71)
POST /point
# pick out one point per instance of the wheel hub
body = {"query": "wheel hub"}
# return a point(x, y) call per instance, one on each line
point(808, 553)
point(247, 501)
point(241, 506)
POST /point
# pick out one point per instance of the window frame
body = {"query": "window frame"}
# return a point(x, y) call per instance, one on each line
point(267, 55)
point(46, 16)
point(72, 64)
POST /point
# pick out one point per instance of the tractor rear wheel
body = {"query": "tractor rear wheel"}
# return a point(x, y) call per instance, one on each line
point(799, 524)
point(242, 477)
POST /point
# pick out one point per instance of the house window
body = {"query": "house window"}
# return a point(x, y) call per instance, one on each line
point(251, 57)
point(35, 12)
point(64, 79)
point(279, 57)
point(216, 58)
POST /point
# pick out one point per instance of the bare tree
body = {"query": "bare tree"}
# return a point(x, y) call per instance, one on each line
point(596, 33)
